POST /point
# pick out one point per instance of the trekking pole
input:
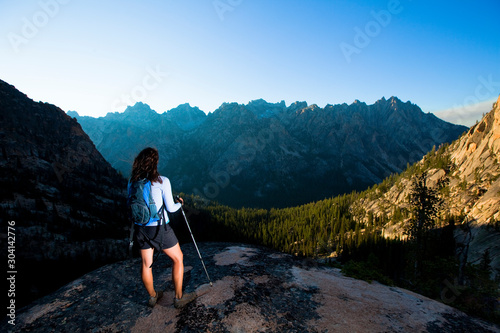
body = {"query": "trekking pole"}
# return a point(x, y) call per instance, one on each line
point(194, 242)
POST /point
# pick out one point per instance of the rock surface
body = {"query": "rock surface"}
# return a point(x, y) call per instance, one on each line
point(254, 290)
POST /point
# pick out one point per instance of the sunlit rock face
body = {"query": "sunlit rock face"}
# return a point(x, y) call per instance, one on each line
point(471, 191)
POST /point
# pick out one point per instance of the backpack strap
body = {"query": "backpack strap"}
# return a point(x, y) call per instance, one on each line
point(160, 222)
point(131, 239)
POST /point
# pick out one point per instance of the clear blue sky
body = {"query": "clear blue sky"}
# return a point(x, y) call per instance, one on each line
point(96, 57)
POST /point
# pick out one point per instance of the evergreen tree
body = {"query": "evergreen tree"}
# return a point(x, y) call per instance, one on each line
point(425, 204)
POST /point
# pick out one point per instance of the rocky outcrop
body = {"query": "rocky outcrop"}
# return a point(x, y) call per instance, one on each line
point(66, 201)
point(476, 158)
point(254, 290)
point(266, 154)
point(469, 183)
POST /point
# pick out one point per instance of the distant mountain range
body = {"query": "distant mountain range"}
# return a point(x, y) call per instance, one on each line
point(270, 155)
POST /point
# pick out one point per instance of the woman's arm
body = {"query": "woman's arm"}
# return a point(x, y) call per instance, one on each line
point(168, 196)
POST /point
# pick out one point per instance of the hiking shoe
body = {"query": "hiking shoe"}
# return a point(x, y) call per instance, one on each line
point(154, 299)
point(186, 298)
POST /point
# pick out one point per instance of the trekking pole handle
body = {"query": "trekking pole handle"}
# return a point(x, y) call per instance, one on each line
point(179, 199)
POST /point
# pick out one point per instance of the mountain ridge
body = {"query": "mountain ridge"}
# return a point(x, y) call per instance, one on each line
point(244, 154)
point(67, 202)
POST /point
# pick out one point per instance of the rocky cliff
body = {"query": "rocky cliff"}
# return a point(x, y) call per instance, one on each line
point(467, 174)
point(65, 202)
point(254, 290)
point(264, 154)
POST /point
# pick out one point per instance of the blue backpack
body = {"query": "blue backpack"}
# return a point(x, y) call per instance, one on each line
point(141, 207)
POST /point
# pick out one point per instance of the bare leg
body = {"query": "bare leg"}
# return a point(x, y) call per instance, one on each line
point(147, 272)
point(177, 257)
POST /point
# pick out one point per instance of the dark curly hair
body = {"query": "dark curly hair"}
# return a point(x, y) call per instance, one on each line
point(146, 166)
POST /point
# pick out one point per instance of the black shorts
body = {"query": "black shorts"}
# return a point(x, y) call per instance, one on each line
point(158, 237)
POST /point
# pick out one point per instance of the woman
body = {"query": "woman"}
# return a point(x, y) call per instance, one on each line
point(159, 237)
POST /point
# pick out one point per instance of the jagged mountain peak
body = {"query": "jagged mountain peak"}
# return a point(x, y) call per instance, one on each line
point(139, 108)
point(393, 102)
point(186, 116)
point(264, 109)
point(182, 108)
point(358, 102)
point(263, 103)
point(228, 107)
point(235, 111)
point(140, 113)
point(73, 114)
point(297, 106)
point(310, 109)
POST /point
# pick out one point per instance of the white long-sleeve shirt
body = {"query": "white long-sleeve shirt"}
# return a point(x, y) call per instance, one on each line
point(162, 193)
